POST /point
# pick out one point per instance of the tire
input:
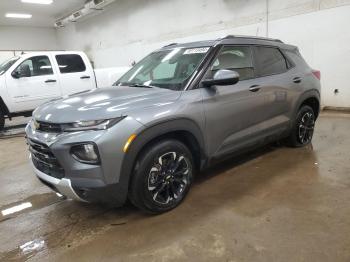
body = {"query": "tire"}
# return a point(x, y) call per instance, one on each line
point(162, 177)
point(303, 128)
point(2, 121)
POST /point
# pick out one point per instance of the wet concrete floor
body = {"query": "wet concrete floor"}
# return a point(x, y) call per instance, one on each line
point(275, 204)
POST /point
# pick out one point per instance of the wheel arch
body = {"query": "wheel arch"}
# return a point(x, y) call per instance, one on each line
point(184, 130)
point(310, 98)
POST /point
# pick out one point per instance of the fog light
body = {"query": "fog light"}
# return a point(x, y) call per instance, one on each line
point(86, 153)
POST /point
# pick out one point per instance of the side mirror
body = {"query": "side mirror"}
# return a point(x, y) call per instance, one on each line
point(16, 74)
point(22, 71)
point(221, 78)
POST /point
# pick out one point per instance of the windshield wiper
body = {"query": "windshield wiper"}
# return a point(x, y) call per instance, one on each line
point(140, 85)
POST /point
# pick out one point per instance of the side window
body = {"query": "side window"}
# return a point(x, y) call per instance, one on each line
point(237, 58)
point(35, 66)
point(269, 61)
point(70, 63)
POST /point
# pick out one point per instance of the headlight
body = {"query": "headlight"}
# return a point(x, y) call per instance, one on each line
point(91, 125)
point(86, 153)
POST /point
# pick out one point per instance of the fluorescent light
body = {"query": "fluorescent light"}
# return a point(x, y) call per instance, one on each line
point(16, 209)
point(40, 2)
point(23, 16)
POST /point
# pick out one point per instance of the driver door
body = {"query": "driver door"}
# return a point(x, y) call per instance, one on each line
point(233, 112)
point(32, 83)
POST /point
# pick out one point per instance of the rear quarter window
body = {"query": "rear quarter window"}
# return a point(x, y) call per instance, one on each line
point(70, 63)
point(296, 57)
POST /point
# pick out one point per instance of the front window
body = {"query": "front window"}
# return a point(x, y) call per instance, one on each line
point(237, 58)
point(170, 69)
point(7, 64)
point(35, 66)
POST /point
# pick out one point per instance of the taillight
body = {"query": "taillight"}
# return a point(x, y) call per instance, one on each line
point(317, 74)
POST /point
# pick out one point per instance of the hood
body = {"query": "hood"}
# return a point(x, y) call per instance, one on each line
point(103, 103)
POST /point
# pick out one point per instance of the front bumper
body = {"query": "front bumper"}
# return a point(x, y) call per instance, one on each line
point(62, 186)
point(103, 183)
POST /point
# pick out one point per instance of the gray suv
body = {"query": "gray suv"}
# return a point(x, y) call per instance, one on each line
point(174, 113)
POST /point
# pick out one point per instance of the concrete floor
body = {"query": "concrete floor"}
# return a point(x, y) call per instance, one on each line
point(276, 204)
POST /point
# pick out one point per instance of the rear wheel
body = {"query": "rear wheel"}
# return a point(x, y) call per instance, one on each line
point(2, 121)
point(162, 177)
point(303, 129)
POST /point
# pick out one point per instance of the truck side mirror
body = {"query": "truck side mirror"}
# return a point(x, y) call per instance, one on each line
point(22, 71)
point(15, 74)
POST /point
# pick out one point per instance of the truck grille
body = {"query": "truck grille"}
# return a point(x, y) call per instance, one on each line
point(49, 127)
point(44, 160)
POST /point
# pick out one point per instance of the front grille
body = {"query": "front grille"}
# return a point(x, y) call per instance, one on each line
point(44, 160)
point(49, 127)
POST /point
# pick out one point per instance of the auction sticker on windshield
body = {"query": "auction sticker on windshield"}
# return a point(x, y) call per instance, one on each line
point(196, 50)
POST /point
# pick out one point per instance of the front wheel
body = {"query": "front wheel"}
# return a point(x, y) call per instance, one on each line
point(303, 129)
point(162, 176)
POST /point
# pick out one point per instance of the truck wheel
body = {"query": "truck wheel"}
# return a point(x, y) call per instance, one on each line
point(2, 121)
point(303, 129)
point(162, 177)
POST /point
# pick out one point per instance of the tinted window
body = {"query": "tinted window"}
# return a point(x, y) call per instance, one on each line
point(269, 61)
point(296, 57)
point(35, 66)
point(70, 63)
point(237, 58)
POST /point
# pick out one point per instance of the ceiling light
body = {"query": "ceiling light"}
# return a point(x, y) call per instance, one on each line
point(40, 2)
point(23, 16)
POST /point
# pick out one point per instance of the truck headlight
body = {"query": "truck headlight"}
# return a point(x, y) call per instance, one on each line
point(91, 125)
point(86, 153)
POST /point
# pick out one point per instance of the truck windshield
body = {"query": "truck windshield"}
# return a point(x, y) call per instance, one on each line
point(170, 69)
point(7, 64)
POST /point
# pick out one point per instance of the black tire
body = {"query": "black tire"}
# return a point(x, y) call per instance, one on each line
point(159, 170)
point(2, 121)
point(303, 128)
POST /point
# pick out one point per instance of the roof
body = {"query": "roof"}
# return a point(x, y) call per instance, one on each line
point(232, 39)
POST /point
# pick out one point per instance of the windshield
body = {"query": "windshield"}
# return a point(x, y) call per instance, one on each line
point(170, 69)
point(7, 64)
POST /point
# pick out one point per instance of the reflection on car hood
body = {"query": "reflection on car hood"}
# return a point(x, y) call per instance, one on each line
point(104, 103)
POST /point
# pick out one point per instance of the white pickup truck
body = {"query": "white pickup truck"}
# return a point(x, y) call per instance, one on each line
point(32, 79)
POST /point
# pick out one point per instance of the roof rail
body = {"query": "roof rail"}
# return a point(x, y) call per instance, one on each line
point(170, 44)
point(251, 37)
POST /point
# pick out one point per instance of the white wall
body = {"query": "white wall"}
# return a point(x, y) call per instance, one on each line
point(128, 30)
point(15, 38)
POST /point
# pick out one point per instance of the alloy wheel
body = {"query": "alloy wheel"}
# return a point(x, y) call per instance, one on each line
point(169, 178)
point(306, 128)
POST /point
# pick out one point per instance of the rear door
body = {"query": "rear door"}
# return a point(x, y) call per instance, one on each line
point(36, 83)
point(75, 73)
point(275, 84)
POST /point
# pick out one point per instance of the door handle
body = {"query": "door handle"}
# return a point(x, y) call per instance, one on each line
point(50, 81)
point(254, 88)
point(84, 77)
point(297, 79)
